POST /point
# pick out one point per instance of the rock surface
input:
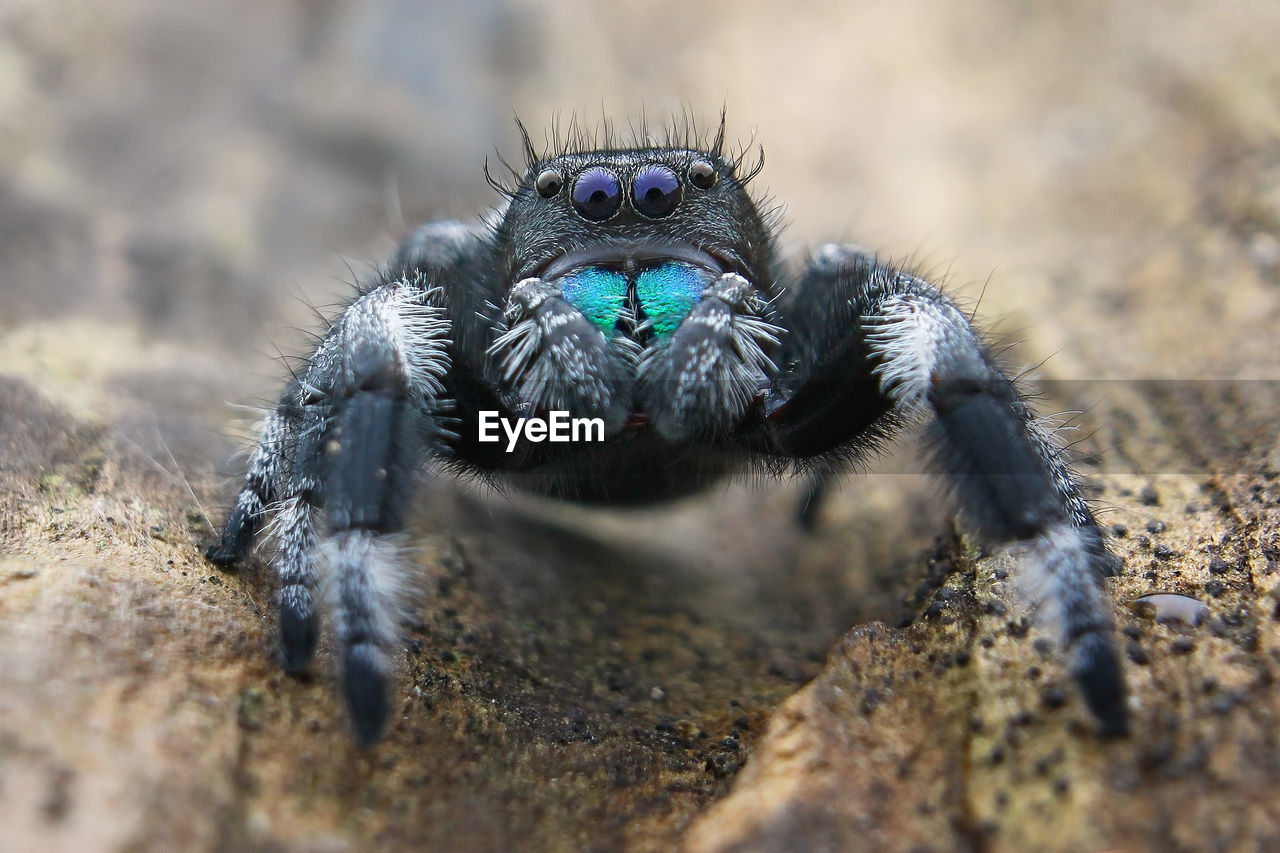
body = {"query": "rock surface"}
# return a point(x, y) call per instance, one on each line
point(669, 677)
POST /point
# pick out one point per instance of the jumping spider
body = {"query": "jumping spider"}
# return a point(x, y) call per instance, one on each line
point(641, 286)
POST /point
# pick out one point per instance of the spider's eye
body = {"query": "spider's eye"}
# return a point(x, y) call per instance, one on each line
point(702, 174)
point(597, 195)
point(548, 183)
point(656, 191)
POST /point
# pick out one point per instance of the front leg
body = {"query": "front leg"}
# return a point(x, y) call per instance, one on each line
point(347, 440)
point(875, 345)
point(702, 379)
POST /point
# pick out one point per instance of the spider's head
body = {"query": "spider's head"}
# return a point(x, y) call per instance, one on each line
point(636, 284)
point(631, 207)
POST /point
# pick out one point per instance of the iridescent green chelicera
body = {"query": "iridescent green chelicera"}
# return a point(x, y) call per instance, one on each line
point(598, 293)
point(667, 293)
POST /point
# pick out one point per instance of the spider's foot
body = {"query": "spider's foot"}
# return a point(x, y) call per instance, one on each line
point(299, 630)
point(364, 681)
point(238, 534)
point(224, 554)
point(1101, 680)
point(809, 507)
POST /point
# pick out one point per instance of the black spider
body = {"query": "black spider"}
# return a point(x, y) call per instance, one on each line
point(639, 286)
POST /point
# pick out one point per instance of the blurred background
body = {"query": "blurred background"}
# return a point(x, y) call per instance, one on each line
point(190, 170)
point(180, 183)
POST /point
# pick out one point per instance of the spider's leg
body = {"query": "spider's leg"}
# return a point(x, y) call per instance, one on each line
point(874, 344)
point(556, 359)
point(348, 437)
point(261, 488)
point(815, 495)
point(713, 367)
point(371, 416)
point(277, 486)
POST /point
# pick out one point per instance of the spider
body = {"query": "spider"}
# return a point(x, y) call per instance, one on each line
point(638, 287)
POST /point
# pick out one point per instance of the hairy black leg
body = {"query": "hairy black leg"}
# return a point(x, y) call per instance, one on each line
point(256, 495)
point(714, 366)
point(295, 529)
point(810, 503)
point(554, 357)
point(369, 416)
point(434, 248)
point(905, 349)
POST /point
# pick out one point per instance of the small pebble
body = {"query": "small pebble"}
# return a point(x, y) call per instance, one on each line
point(1172, 607)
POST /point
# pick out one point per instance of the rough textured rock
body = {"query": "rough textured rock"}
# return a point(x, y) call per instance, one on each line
point(584, 680)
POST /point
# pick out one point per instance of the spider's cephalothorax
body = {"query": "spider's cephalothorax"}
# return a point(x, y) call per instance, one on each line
point(637, 287)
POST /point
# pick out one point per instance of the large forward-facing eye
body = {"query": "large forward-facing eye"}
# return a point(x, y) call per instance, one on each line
point(656, 191)
point(597, 195)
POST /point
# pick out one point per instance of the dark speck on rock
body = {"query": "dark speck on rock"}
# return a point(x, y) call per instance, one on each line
point(1119, 531)
point(724, 764)
point(1155, 526)
point(1182, 646)
point(1053, 698)
point(1137, 654)
point(1218, 566)
point(1149, 496)
point(1224, 703)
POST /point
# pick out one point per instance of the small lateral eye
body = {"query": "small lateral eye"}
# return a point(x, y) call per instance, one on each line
point(597, 195)
point(549, 183)
point(656, 191)
point(702, 174)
